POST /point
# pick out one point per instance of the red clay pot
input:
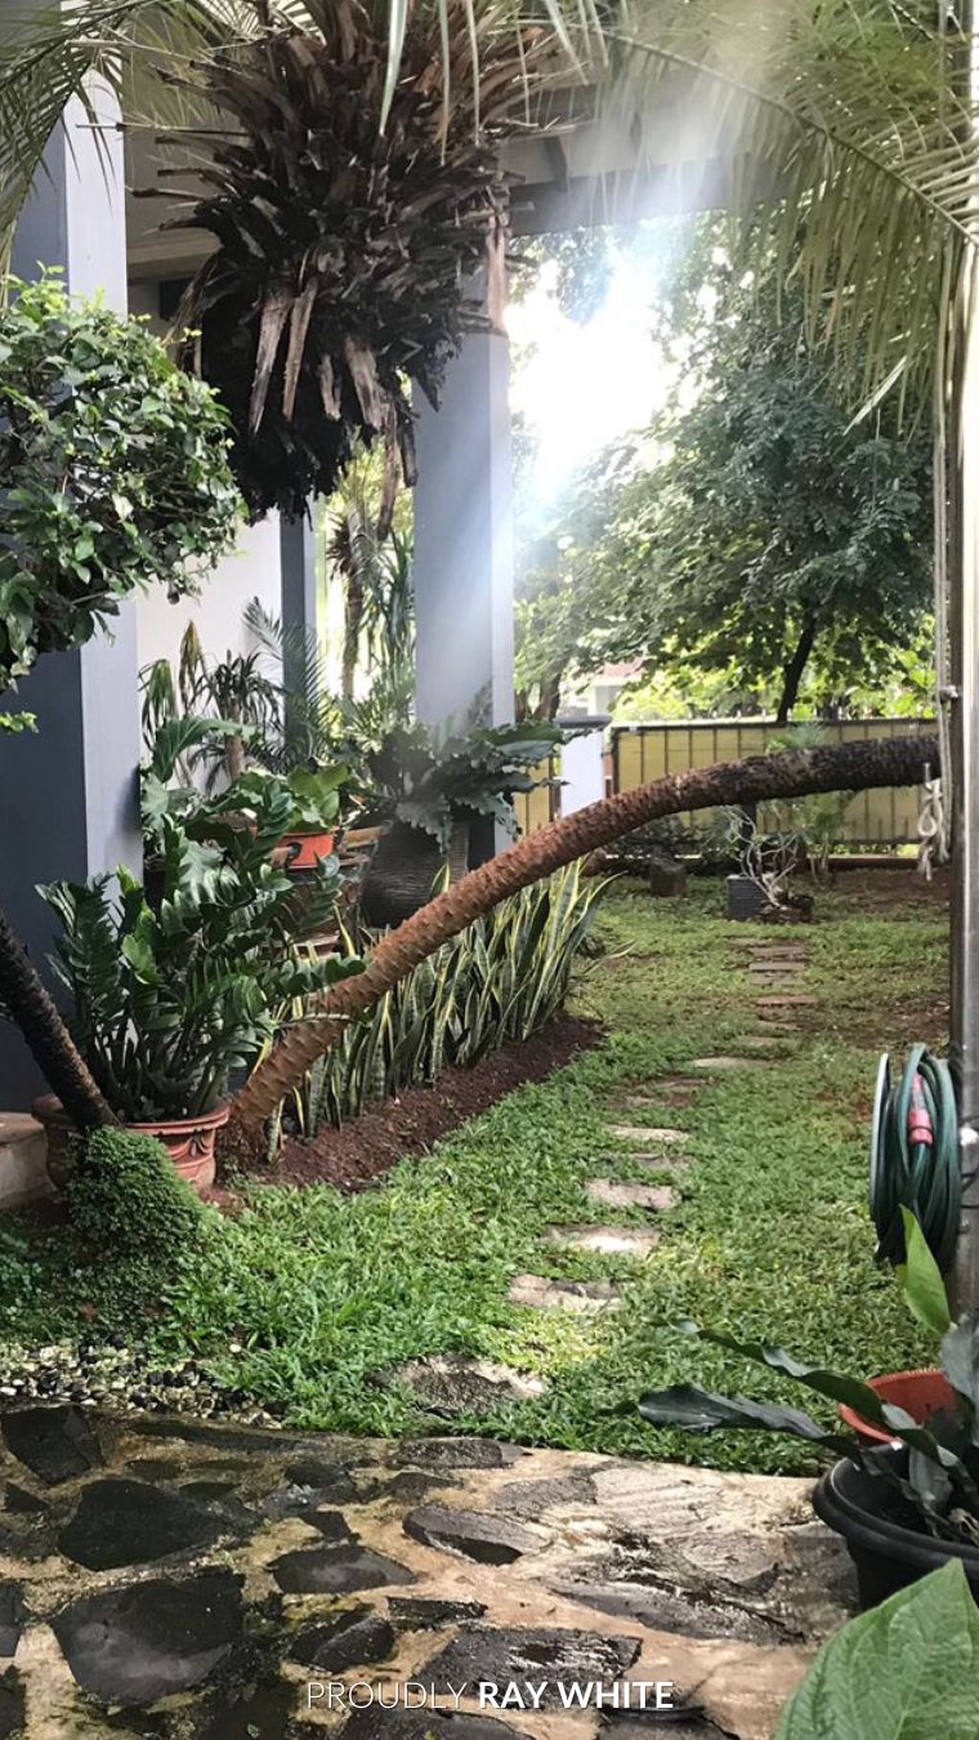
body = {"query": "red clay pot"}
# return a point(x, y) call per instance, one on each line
point(304, 851)
point(188, 1141)
point(919, 1393)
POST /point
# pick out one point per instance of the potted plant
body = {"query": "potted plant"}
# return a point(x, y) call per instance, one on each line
point(314, 794)
point(903, 1507)
point(170, 1000)
point(762, 886)
point(431, 788)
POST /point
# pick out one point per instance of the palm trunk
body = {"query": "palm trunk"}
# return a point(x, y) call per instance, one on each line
point(793, 773)
point(54, 1051)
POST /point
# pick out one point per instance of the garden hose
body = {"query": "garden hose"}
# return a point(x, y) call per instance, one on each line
point(914, 1157)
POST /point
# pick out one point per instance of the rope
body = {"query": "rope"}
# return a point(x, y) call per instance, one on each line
point(914, 1157)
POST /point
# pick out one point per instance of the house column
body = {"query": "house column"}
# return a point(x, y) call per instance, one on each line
point(69, 795)
point(463, 566)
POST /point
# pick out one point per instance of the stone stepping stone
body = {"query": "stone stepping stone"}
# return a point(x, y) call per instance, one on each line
point(762, 1041)
point(673, 1091)
point(539, 1293)
point(723, 1062)
point(449, 1384)
point(788, 1000)
point(777, 964)
point(782, 948)
point(658, 1198)
point(606, 1241)
point(646, 1133)
point(673, 1164)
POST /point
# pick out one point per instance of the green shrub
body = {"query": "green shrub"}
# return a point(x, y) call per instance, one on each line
point(114, 471)
point(128, 1200)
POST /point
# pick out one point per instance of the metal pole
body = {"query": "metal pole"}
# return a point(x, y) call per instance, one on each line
point(964, 721)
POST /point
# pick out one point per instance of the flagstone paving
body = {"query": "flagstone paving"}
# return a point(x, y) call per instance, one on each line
point(610, 1241)
point(181, 1581)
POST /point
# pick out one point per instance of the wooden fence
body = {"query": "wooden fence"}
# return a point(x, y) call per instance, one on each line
point(640, 753)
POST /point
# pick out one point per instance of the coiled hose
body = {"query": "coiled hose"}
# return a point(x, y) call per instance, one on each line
point(914, 1157)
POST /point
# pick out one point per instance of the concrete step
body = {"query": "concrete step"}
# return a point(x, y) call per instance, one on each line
point(23, 1156)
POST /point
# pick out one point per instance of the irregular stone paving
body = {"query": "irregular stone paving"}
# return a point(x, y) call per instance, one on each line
point(176, 1581)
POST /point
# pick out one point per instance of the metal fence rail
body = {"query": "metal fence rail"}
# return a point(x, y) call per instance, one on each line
point(640, 753)
point(644, 752)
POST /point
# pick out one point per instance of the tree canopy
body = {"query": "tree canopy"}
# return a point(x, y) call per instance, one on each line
point(754, 532)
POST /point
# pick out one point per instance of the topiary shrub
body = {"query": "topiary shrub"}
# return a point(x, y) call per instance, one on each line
point(127, 1199)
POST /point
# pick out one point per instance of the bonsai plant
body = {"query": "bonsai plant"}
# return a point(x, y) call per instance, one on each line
point(905, 1506)
point(170, 1001)
point(431, 788)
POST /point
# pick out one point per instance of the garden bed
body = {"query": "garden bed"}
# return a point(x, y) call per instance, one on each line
point(360, 1153)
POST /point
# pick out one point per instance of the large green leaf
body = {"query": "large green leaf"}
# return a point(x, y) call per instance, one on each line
point(908, 1670)
point(697, 1410)
point(921, 1279)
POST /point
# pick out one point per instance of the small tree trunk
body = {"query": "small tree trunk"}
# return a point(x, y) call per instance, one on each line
point(54, 1051)
point(794, 670)
point(793, 773)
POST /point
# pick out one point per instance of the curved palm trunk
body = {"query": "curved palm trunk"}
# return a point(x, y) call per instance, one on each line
point(34, 1012)
point(794, 773)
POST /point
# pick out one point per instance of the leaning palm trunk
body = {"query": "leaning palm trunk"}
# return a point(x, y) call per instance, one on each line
point(794, 773)
point(23, 996)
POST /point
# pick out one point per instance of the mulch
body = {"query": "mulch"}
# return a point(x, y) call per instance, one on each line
point(360, 1153)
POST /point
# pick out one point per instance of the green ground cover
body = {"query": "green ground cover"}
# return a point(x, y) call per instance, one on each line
point(770, 1239)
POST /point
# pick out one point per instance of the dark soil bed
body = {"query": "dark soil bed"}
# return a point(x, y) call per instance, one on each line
point(356, 1156)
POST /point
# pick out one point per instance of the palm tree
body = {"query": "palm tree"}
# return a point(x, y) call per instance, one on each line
point(763, 778)
point(845, 140)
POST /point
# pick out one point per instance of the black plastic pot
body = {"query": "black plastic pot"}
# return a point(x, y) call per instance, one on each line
point(888, 1547)
point(405, 867)
point(744, 898)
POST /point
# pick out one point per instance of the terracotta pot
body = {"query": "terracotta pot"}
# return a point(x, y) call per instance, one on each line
point(188, 1141)
point(919, 1393)
point(304, 851)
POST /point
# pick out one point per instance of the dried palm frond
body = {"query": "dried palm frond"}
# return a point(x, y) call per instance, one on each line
point(346, 255)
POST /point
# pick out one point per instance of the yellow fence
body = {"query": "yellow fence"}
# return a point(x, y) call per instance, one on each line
point(640, 753)
point(644, 752)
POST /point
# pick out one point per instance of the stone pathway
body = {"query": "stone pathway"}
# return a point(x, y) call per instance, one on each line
point(192, 1582)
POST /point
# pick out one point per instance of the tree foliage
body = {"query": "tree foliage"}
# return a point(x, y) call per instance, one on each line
point(113, 472)
point(755, 529)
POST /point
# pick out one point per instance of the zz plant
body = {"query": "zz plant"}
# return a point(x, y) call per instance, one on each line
point(171, 999)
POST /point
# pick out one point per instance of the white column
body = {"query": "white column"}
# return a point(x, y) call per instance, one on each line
point(583, 762)
point(68, 796)
point(463, 567)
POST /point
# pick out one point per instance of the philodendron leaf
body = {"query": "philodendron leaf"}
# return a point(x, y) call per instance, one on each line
point(696, 1410)
point(908, 1670)
point(920, 1279)
point(835, 1386)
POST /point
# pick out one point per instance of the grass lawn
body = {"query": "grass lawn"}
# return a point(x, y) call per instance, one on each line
point(770, 1239)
